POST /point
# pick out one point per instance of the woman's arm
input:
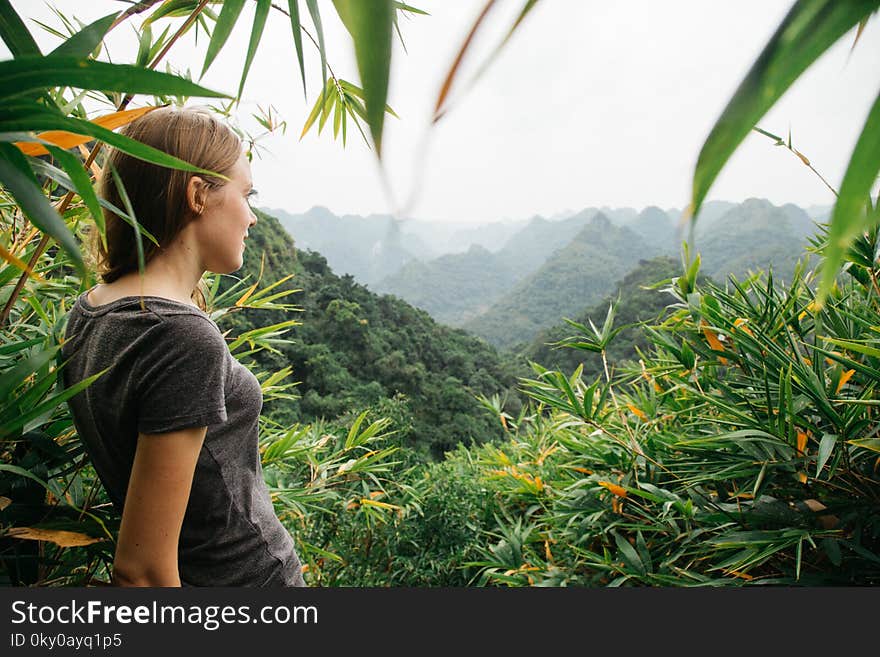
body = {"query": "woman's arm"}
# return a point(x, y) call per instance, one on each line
point(158, 492)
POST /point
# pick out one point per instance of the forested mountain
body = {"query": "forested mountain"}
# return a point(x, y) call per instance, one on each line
point(458, 287)
point(637, 298)
point(484, 289)
point(357, 350)
point(754, 235)
point(529, 249)
point(369, 248)
point(455, 287)
point(657, 229)
point(444, 237)
point(573, 278)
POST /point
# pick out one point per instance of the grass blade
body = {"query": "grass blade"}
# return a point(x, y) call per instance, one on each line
point(14, 32)
point(849, 217)
point(808, 30)
point(293, 6)
point(84, 42)
point(262, 12)
point(26, 74)
point(371, 26)
point(225, 22)
point(17, 177)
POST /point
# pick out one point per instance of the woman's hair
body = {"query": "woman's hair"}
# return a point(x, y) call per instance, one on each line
point(158, 194)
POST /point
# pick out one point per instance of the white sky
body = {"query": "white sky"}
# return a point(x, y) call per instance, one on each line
point(590, 104)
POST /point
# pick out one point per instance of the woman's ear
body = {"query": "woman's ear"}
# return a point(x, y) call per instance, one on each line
point(196, 192)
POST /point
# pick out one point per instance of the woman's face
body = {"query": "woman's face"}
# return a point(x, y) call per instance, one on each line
point(220, 230)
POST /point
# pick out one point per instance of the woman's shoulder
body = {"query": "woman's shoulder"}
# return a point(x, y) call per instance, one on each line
point(166, 319)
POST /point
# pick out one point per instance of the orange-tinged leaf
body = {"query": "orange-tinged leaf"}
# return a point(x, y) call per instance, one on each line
point(740, 574)
point(638, 412)
point(247, 295)
point(4, 502)
point(715, 343)
point(60, 537)
point(802, 477)
point(742, 324)
point(712, 339)
point(620, 491)
point(382, 505)
point(10, 258)
point(815, 505)
point(801, 442)
point(583, 470)
point(846, 376)
point(67, 140)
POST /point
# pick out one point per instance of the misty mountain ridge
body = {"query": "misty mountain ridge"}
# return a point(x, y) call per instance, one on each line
point(498, 268)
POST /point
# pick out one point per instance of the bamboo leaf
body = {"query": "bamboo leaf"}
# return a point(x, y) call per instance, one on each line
point(123, 196)
point(316, 110)
point(68, 140)
point(21, 472)
point(18, 262)
point(293, 6)
point(81, 180)
point(855, 346)
point(868, 443)
point(262, 12)
point(14, 32)
point(849, 217)
point(371, 28)
point(17, 177)
point(144, 42)
point(26, 74)
point(808, 30)
point(826, 446)
point(629, 554)
point(172, 8)
point(316, 19)
point(84, 42)
point(439, 104)
point(225, 22)
point(61, 537)
point(47, 119)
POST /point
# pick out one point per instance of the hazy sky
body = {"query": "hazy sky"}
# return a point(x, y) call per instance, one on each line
point(591, 104)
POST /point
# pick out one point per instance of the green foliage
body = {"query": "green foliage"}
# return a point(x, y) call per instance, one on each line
point(574, 278)
point(638, 299)
point(743, 452)
point(806, 32)
point(355, 349)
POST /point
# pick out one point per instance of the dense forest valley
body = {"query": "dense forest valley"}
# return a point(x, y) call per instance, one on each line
point(512, 459)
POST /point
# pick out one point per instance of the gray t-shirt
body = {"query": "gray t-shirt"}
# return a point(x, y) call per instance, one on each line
point(170, 368)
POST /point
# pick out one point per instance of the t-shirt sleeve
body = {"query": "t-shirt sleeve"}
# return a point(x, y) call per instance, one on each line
point(182, 377)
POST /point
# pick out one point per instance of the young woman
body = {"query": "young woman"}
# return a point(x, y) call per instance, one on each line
point(172, 426)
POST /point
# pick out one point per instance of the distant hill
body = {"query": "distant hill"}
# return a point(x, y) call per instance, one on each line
point(453, 288)
point(656, 228)
point(369, 248)
point(572, 278)
point(457, 287)
point(634, 302)
point(529, 248)
point(357, 350)
point(754, 235)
